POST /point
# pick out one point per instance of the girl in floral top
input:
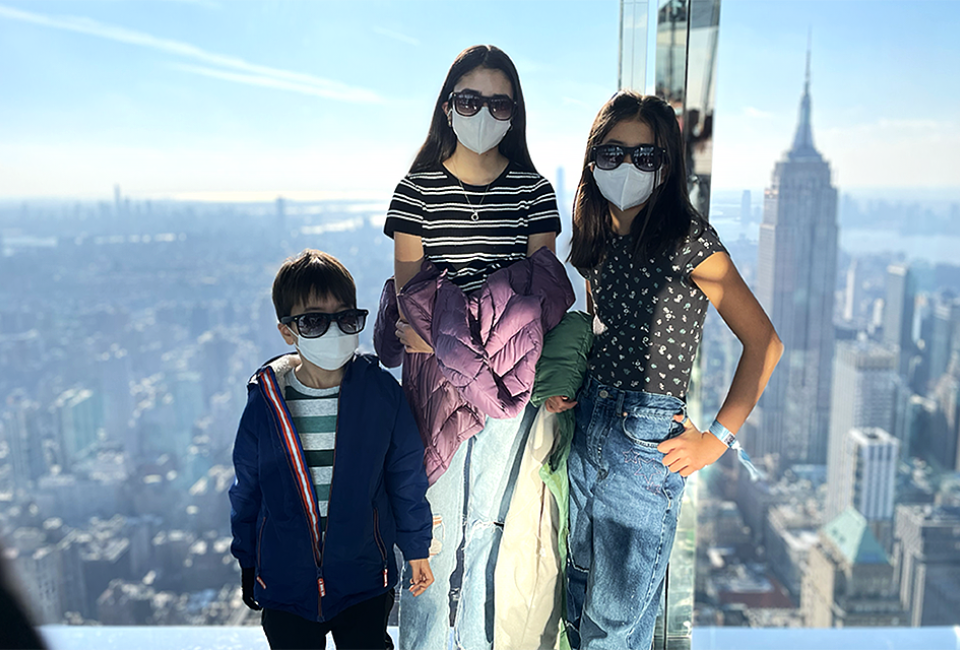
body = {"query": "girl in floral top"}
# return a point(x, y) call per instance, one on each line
point(652, 264)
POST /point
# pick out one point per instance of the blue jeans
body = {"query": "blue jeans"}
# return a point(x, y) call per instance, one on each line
point(469, 503)
point(624, 505)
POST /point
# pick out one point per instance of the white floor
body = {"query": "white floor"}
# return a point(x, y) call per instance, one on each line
point(64, 637)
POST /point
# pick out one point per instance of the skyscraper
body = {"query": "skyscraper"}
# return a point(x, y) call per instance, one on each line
point(79, 417)
point(898, 313)
point(927, 558)
point(796, 278)
point(868, 468)
point(864, 388)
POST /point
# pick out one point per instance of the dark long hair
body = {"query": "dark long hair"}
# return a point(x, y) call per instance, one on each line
point(441, 141)
point(668, 215)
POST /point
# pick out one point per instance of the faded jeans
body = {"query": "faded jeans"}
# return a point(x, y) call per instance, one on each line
point(624, 505)
point(469, 503)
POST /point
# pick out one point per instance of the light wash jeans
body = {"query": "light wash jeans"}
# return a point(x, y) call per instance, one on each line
point(624, 505)
point(469, 503)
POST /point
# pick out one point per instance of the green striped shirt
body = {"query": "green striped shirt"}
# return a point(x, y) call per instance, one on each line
point(314, 412)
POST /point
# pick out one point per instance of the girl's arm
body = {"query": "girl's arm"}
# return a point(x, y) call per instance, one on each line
point(718, 278)
point(537, 241)
point(407, 259)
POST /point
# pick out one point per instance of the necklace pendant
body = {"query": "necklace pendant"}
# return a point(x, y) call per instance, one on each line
point(474, 216)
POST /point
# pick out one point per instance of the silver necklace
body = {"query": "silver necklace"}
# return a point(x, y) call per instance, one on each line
point(476, 215)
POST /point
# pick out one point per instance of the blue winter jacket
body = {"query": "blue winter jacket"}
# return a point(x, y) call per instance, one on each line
point(377, 494)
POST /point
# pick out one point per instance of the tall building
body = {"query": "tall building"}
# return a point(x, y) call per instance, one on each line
point(927, 557)
point(943, 339)
point(79, 417)
point(864, 394)
point(114, 371)
point(796, 279)
point(745, 207)
point(853, 293)
point(22, 429)
point(868, 470)
point(849, 580)
point(947, 436)
point(37, 564)
point(898, 313)
point(281, 214)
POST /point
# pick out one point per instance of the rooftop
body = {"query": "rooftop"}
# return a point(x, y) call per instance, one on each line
point(853, 537)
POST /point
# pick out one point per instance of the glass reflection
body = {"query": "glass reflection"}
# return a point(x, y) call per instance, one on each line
point(685, 70)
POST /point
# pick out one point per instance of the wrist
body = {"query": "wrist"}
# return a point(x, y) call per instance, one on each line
point(723, 434)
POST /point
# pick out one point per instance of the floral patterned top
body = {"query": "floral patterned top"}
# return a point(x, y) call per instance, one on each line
point(649, 315)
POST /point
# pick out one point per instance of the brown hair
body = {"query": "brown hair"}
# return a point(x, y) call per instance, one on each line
point(312, 274)
point(668, 215)
point(441, 141)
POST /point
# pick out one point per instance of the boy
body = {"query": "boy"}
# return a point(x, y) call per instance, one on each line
point(330, 474)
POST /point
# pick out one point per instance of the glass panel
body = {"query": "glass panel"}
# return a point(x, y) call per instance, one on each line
point(699, 100)
point(686, 46)
point(633, 44)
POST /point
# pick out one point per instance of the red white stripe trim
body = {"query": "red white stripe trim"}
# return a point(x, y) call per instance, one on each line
point(289, 436)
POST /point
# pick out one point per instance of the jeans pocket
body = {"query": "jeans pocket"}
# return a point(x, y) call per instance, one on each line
point(644, 429)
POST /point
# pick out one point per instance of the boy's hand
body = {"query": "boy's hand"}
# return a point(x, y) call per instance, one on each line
point(247, 578)
point(691, 450)
point(559, 403)
point(422, 576)
point(412, 342)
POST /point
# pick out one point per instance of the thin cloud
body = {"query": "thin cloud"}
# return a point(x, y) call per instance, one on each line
point(397, 36)
point(750, 111)
point(206, 4)
point(263, 81)
point(253, 73)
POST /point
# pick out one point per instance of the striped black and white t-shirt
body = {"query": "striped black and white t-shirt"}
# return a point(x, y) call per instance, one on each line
point(314, 412)
point(470, 231)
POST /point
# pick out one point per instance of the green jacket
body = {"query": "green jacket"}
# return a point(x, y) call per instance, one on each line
point(560, 371)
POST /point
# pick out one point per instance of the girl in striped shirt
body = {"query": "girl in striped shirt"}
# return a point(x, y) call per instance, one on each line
point(472, 203)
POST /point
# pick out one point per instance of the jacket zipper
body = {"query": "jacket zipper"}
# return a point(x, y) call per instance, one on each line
point(333, 469)
point(318, 553)
point(380, 544)
point(263, 524)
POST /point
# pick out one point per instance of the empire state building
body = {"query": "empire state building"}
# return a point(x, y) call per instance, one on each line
point(796, 274)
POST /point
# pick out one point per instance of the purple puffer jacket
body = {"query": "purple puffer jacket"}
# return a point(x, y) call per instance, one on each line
point(486, 346)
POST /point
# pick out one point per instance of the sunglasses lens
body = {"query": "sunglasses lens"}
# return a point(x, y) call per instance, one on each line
point(313, 325)
point(609, 157)
point(352, 322)
point(501, 108)
point(466, 105)
point(647, 160)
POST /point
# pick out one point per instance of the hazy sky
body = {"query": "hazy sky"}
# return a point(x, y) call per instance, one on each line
point(254, 99)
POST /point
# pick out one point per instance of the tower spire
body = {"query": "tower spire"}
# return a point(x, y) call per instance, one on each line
point(803, 140)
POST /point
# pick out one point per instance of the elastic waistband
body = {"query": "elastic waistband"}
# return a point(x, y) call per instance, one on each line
point(634, 399)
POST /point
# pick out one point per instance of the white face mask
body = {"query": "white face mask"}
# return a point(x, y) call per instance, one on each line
point(481, 132)
point(330, 351)
point(626, 186)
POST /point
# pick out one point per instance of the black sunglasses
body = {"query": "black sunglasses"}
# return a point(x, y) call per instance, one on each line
point(314, 324)
point(469, 103)
point(646, 157)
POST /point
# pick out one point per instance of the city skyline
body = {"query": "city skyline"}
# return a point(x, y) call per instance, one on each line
point(133, 323)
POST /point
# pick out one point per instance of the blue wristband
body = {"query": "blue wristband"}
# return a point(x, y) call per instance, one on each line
point(724, 435)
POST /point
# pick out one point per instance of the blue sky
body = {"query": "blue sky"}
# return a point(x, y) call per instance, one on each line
point(218, 99)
